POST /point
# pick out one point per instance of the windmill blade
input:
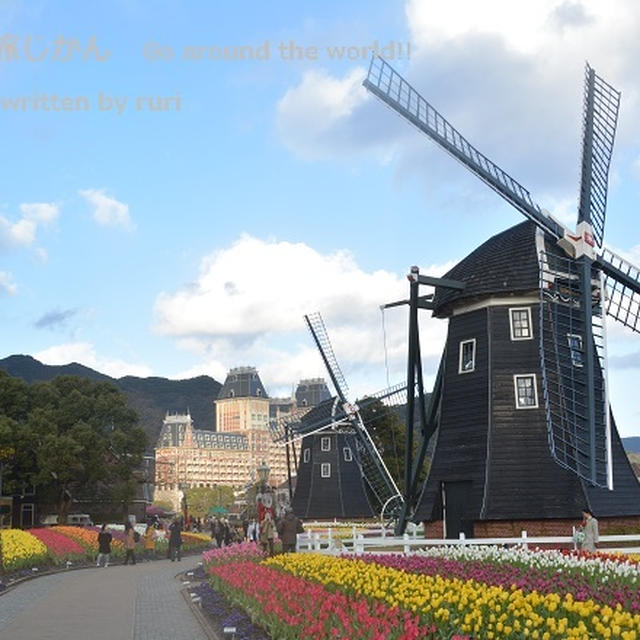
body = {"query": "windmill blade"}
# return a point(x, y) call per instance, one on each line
point(321, 338)
point(600, 118)
point(579, 438)
point(308, 420)
point(374, 469)
point(622, 289)
point(393, 397)
point(397, 93)
point(280, 428)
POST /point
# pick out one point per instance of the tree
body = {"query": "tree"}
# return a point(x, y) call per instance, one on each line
point(387, 428)
point(163, 504)
point(15, 460)
point(70, 436)
point(201, 499)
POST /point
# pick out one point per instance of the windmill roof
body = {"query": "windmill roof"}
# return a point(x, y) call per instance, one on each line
point(506, 264)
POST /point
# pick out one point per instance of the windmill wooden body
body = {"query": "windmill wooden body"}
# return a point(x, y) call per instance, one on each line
point(340, 472)
point(521, 408)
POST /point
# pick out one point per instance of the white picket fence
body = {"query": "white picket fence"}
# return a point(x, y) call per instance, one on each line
point(358, 543)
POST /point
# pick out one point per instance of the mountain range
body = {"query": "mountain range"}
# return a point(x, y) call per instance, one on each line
point(150, 397)
point(153, 397)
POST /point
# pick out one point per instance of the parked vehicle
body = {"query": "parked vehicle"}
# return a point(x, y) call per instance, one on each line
point(76, 519)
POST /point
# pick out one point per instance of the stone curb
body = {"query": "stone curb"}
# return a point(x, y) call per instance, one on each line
point(209, 630)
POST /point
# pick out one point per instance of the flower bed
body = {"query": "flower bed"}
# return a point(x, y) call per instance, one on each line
point(608, 581)
point(43, 547)
point(222, 614)
point(480, 593)
point(19, 549)
point(291, 608)
point(464, 606)
point(194, 541)
point(61, 548)
point(445, 593)
point(244, 551)
point(88, 538)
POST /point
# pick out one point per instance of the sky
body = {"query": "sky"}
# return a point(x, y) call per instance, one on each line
point(181, 184)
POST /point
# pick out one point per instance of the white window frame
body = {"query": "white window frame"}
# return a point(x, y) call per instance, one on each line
point(306, 455)
point(473, 359)
point(27, 515)
point(325, 470)
point(511, 327)
point(535, 390)
point(325, 443)
point(347, 454)
point(572, 350)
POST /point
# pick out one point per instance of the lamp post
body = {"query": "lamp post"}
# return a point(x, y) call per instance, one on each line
point(184, 505)
point(264, 496)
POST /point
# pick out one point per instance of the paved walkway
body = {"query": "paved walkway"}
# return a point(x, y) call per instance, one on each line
point(141, 602)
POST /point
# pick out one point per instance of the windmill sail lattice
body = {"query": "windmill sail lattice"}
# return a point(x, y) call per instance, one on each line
point(600, 117)
point(622, 298)
point(321, 337)
point(564, 371)
point(396, 92)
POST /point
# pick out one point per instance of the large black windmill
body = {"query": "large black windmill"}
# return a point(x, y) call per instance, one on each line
point(340, 472)
point(524, 378)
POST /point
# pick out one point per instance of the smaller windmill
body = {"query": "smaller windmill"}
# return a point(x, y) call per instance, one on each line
point(334, 433)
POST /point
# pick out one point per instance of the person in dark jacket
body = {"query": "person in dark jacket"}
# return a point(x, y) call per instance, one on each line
point(288, 530)
point(175, 540)
point(104, 546)
point(217, 532)
point(228, 532)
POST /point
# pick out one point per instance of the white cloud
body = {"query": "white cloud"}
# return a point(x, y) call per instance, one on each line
point(108, 211)
point(85, 353)
point(22, 232)
point(266, 286)
point(525, 27)
point(40, 211)
point(6, 283)
point(247, 304)
point(314, 117)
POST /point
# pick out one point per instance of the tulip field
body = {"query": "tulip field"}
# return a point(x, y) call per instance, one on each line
point(442, 593)
point(55, 546)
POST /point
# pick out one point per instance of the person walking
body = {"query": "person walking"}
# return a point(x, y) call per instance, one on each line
point(590, 530)
point(228, 532)
point(150, 542)
point(104, 546)
point(175, 540)
point(129, 543)
point(267, 533)
point(217, 532)
point(288, 530)
point(252, 531)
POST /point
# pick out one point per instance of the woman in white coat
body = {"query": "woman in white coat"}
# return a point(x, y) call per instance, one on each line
point(590, 530)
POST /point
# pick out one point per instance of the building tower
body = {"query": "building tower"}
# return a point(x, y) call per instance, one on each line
point(242, 407)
